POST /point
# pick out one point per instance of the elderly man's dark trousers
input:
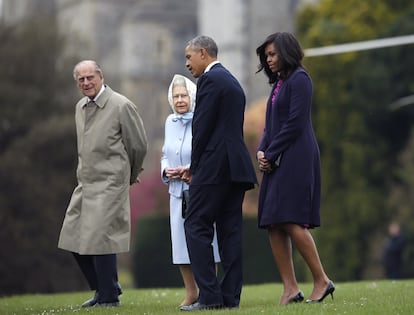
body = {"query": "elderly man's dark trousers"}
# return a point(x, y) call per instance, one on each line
point(101, 274)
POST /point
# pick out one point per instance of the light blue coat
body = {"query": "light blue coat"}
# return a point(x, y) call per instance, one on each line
point(176, 151)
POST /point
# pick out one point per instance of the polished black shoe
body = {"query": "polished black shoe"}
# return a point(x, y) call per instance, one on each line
point(231, 307)
point(110, 304)
point(329, 290)
point(91, 302)
point(297, 298)
point(198, 307)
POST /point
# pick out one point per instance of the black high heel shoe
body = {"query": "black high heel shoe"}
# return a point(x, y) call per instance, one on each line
point(297, 298)
point(329, 290)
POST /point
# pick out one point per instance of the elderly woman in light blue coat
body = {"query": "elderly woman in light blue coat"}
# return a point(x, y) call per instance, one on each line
point(176, 156)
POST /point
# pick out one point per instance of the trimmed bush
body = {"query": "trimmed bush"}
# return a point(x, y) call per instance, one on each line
point(151, 254)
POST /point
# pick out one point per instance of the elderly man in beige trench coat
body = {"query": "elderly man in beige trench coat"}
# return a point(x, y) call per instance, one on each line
point(112, 145)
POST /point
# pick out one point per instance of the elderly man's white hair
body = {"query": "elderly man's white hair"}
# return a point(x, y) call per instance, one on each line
point(85, 62)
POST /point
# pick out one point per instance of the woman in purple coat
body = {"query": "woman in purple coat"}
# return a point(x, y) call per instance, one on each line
point(288, 156)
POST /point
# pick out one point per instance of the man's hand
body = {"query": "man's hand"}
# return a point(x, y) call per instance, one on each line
point(186, 176)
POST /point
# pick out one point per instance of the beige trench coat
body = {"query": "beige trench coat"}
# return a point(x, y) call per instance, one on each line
point(112, 145)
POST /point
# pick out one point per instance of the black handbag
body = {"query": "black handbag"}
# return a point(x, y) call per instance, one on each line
point(186, 200)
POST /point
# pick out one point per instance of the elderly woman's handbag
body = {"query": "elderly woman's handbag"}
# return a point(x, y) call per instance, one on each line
point(186, 200)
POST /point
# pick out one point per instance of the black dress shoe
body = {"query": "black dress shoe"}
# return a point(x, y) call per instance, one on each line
point(329, 290)
point(231, 307)
point(198, 307)
point(110, 304)
point(91, 302)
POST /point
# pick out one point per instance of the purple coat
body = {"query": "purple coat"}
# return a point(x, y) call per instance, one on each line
point(291, 192)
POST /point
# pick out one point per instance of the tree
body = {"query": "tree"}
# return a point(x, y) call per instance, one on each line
point(355, 128)
point(37, 157)
point(400, 199)
point(32, 80)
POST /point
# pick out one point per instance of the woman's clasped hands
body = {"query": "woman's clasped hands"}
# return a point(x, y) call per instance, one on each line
point(179, 172)
point(174, 172)
point(264, 164)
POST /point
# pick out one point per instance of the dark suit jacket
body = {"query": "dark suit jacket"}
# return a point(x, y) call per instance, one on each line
point(219, 154)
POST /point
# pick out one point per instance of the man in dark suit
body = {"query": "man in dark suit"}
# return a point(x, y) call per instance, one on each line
point(220, 172)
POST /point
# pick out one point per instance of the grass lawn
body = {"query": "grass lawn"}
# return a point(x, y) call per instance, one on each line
point(365, 297)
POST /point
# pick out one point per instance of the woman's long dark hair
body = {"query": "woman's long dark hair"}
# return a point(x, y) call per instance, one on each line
point(289, 52)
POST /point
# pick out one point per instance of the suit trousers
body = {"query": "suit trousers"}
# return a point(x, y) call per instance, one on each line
point(221, 204)
point(101, 274)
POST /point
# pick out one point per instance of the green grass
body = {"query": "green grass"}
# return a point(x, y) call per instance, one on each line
point(365, 297)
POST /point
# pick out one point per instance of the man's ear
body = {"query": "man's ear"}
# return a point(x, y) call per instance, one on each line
point(203, 53)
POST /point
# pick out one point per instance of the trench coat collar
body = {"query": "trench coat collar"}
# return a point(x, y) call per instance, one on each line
point(102, 98)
